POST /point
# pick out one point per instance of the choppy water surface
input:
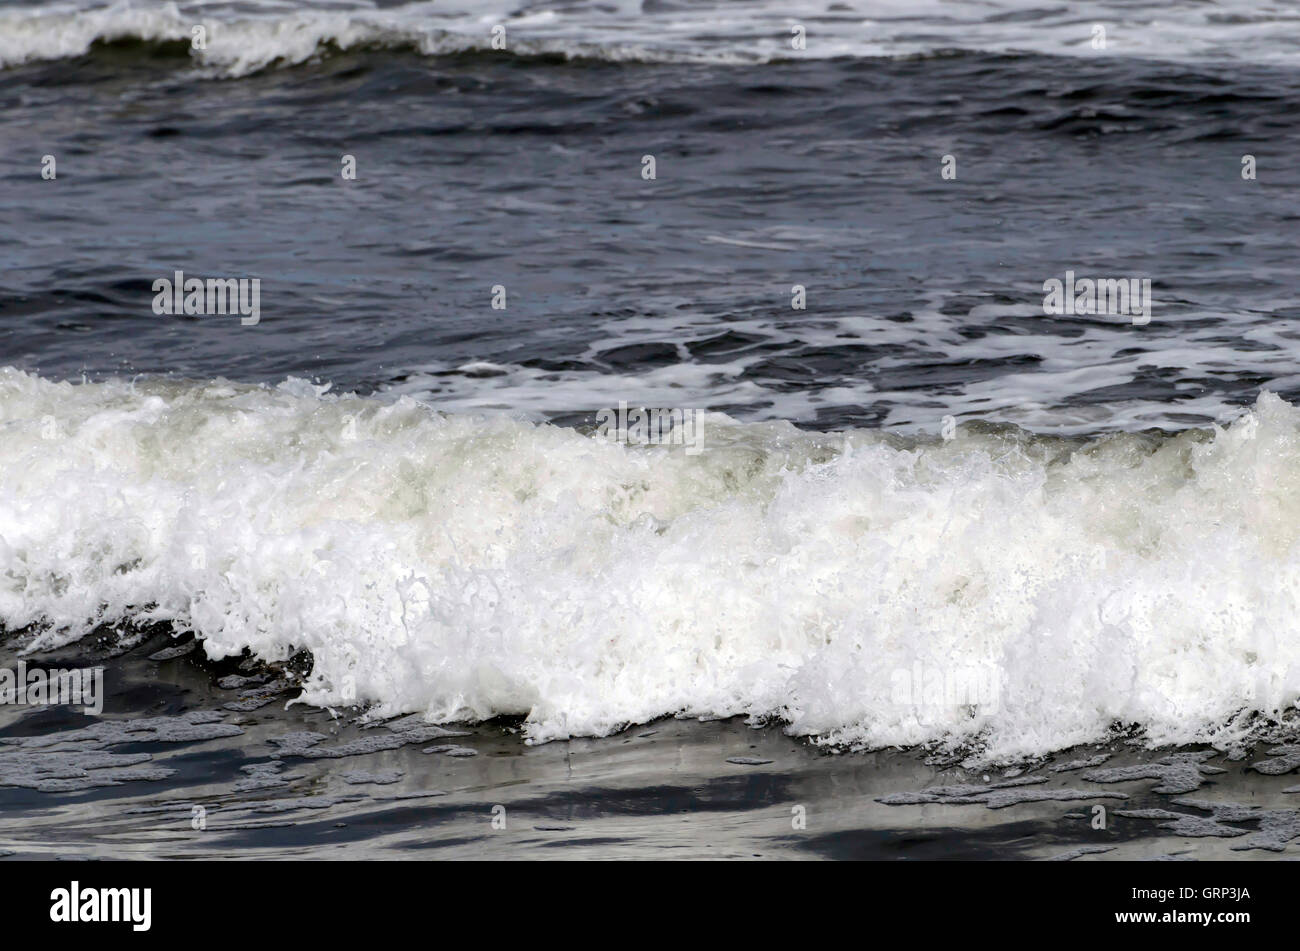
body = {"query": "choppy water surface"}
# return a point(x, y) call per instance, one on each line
point(390, 475)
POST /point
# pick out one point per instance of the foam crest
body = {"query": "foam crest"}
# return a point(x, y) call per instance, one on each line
point(249, 37)
point(1017, 592)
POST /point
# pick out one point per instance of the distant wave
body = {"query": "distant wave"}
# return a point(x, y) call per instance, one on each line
point(239, 43)
point(1014, 592)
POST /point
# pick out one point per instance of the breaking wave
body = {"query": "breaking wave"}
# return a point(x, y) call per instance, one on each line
point(853, 585)
point(238, 40)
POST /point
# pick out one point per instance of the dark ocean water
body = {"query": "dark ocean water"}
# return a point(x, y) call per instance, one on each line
point(924, 296)
point(186, 762)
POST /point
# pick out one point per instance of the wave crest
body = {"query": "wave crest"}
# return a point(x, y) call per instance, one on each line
point(1016, 592)
point(721, 31)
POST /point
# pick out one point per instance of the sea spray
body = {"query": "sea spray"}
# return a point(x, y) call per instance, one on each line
point(463, 567)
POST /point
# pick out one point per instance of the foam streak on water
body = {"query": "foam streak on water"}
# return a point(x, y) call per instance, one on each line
point(245, 37)
point(464, 567)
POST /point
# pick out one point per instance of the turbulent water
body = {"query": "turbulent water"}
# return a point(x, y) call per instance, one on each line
point(393, 475)
point(248, 36)
point(468, 567)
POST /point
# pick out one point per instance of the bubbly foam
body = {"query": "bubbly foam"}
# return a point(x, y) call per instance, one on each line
point(469, 566)
point(250, 37)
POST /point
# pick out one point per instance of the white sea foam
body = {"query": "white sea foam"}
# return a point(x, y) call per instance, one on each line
point(1056, 387)
point(249, 36)
point(462, 566)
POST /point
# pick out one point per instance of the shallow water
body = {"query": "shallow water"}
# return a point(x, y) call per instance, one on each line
point(672, 788)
